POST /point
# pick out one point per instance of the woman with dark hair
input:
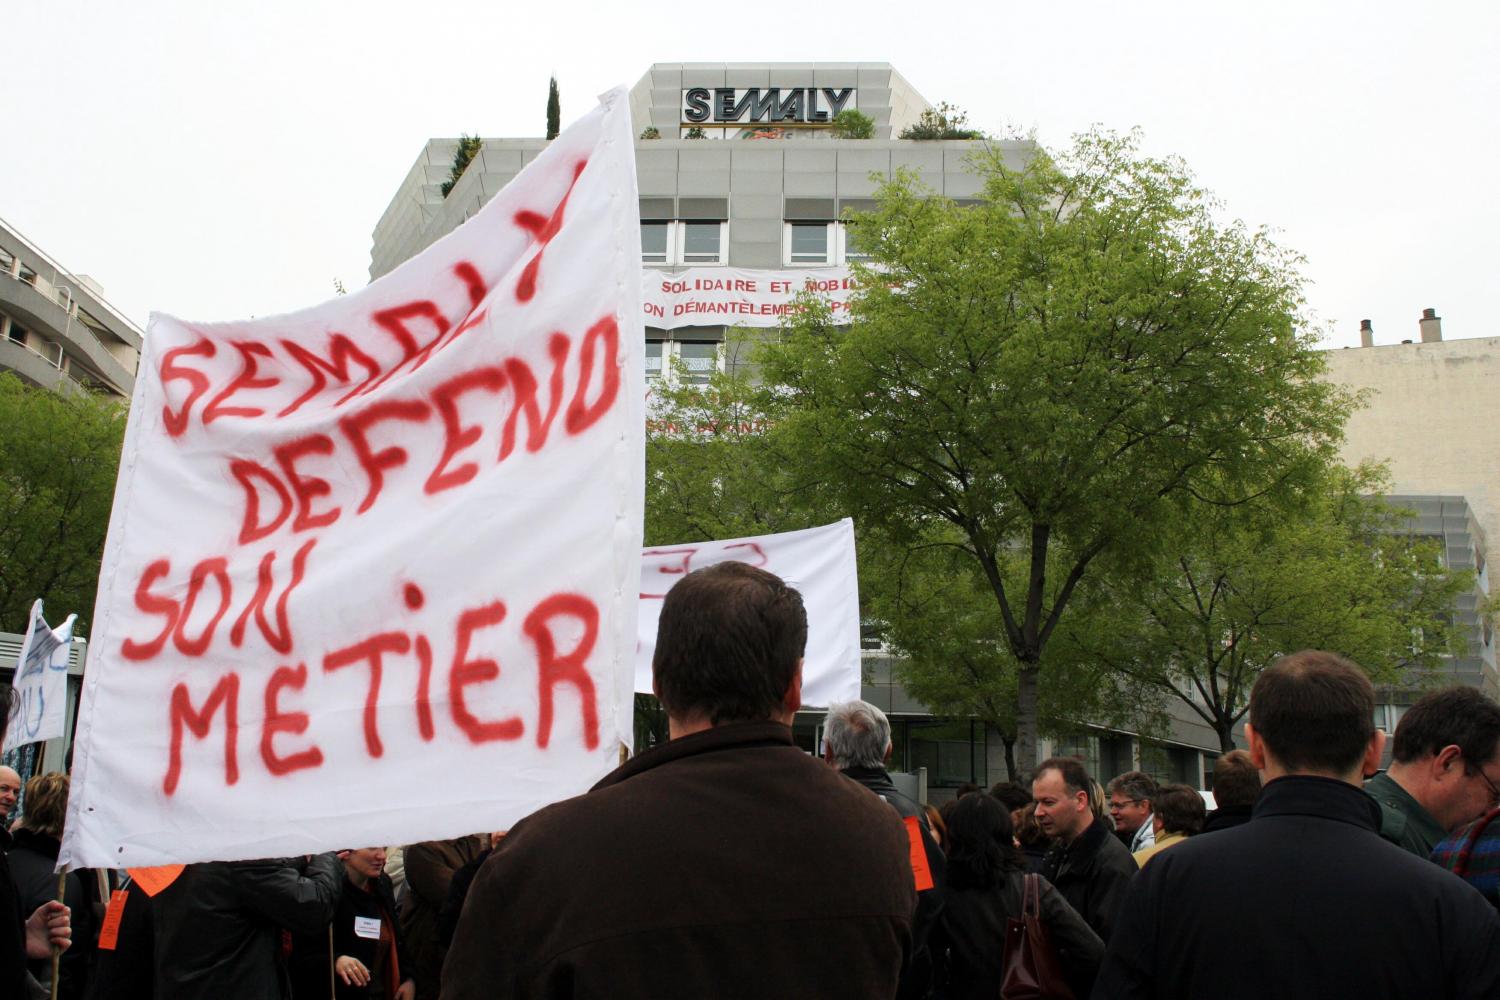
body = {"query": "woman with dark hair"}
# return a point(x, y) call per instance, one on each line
point(986, 887)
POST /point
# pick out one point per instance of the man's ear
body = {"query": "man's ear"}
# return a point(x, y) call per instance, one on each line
point(1373, 752)
point(1257, 749)
point(890, 748)
point(1446, 760)
point(792, 700)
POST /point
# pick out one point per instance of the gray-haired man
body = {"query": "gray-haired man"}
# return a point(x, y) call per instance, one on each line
point(857, 742)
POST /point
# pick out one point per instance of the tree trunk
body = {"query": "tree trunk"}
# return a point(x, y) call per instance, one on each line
point(1026, 699)
point(1225, 729)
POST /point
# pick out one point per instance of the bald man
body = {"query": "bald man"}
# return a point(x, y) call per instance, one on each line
point(10, 791)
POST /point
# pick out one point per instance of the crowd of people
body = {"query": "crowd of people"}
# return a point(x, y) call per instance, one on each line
point(728, 862)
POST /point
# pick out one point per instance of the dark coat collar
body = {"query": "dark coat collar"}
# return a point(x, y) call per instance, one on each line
point(731, 736)
point(870, 777)
point(1311, 795)
point(39, 842)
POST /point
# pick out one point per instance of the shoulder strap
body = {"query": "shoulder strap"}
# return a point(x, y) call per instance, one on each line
point(1031, 905)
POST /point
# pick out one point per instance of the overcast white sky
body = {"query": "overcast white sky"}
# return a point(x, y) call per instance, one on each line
point(224, 159)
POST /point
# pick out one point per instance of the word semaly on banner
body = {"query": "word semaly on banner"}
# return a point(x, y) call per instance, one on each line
point(707, 296)
point(372, 567)
point(39, 708)
point(818, 562)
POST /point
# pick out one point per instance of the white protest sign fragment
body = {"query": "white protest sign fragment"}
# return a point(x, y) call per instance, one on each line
point(818, 562)
point(372, 567)
point(708, 296)
point(39, 711)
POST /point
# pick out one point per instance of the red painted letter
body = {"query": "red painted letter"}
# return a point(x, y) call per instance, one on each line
point(177, 422)
point(246, 379)
point(152, 605)
point(466, 671)
point(356, 426)
point(371, 651)
point(340, 350)
point(280, 638)
point(251, 528)
point(218, 568)
point(523, 386)
point(553, 670)
point(226, 693)
point(581, 415)
point(294, 723)
point(457, 437)
point(307, 488)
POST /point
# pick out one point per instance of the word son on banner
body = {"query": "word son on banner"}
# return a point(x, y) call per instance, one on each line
point(39, 707)
point(819, 562)
point(372, 567)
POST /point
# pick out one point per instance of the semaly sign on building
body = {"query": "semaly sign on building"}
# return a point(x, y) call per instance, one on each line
point(372, 568)
point(727, 107)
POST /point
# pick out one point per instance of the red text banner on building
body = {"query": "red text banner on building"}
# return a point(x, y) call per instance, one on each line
point(732, 296)
point(819, 562)
point(372, 568)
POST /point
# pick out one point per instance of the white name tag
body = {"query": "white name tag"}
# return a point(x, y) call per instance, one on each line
point(367, 927)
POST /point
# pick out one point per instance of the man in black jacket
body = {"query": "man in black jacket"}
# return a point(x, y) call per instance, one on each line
point(857, 743)
point(1305, 900)
point(725, 863)
point(1087, 863)
point(218, 926)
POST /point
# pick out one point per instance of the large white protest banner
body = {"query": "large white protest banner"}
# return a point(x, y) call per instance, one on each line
point(819, 562)
point(699, 296)
point(39, 711)
point(372, 567)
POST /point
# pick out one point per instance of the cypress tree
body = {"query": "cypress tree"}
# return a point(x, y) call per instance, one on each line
point(554, 110)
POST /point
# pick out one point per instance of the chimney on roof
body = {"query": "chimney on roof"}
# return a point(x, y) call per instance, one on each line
point(1432, 326)
point(1366, 334)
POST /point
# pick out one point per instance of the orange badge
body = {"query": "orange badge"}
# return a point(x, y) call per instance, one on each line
point(109, 934)
point(154, 880)
point(919, 870)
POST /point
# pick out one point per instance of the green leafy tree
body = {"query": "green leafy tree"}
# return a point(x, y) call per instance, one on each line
point(937, 614)
point(853, 124)
point(554, 109)
point(1340, 570)
point(58, 456)
point(1050, 380)
point(942, 122)
point(468, 148)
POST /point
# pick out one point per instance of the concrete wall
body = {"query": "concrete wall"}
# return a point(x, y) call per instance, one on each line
point(1429, 417)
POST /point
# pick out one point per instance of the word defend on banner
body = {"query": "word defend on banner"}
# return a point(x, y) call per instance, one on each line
point(728, 296)
point(818, 562)
point(371, 569)
point(39, 709)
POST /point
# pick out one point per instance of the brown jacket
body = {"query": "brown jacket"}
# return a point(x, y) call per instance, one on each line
point(429, 869)
point(724, 864)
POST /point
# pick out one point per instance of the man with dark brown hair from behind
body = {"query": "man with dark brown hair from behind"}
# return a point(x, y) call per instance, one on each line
point(1236, 785)
point(1306, 900)
point(725, 863)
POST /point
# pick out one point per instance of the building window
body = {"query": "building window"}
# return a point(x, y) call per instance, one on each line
point(809, 242)
point(700, 360)
point(819, 244)
point(703, 242)
point(678, 244)
point(695, 361)
point(656, 242)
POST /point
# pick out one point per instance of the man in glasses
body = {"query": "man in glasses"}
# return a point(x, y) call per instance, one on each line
point(1445, 769)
